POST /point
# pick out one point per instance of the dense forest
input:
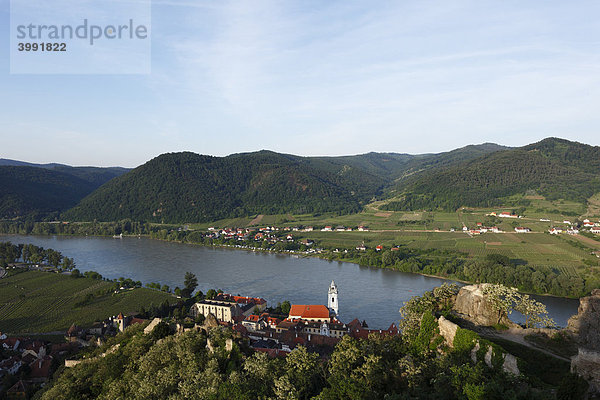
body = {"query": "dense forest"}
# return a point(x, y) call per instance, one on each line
point(556, 168)
point(41, 192)
point(187, 187)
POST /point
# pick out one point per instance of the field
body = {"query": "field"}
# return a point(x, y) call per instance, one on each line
point(37, 302)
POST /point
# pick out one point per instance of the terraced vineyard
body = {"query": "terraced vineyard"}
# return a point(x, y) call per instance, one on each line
point(35, 302)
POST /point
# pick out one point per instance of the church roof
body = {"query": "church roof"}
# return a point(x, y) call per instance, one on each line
point(308, 311)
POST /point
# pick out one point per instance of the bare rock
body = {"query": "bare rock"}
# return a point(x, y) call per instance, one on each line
point(210, 321)
point(510, 365)
point(586, 328)
point(472, 305)
point(447, 330)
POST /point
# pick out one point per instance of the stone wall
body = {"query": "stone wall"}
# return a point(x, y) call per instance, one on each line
point(586, 328)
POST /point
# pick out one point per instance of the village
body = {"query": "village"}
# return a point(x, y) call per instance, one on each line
point(30, 362)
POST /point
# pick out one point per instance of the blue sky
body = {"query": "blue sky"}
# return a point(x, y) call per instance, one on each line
point(320, 78)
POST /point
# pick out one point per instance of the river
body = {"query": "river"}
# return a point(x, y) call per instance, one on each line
point(370, 294)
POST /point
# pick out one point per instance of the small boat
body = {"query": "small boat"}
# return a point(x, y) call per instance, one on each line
point(120, 236)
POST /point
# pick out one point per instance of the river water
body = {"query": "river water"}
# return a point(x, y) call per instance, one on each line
point(370, 294)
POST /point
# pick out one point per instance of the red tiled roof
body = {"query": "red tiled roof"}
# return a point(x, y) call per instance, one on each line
point(308, 311)
point(253, 318)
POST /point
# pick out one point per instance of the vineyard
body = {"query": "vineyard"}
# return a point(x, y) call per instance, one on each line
point(36, 302)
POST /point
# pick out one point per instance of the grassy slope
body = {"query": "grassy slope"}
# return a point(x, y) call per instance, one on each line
point(35, 301)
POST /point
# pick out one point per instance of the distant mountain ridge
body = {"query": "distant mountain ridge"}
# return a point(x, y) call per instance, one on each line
point(188, 187)
point(556, 168)
point(43, 190)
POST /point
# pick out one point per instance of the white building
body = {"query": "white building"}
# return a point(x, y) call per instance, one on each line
point(332, 297)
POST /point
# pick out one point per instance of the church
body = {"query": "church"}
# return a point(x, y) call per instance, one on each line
point(318, 319)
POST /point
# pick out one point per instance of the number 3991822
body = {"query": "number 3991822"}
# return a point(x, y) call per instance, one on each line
point(42, 46)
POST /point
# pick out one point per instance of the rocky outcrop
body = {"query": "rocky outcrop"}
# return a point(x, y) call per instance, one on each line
point(448, 331)
point(472, 305)
point(586, 328)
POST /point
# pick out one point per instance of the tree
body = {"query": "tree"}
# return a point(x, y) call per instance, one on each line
point(285, 307)
point(211, 294)
point(68, 263)
point(189, 284)
point(535, 312)
point(508, 299)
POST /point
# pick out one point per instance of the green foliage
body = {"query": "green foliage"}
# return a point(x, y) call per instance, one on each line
point(181, 366)
point(554, 167)
point(429, 328)
point(464, 340)
point(33, 192)
point(572, 387)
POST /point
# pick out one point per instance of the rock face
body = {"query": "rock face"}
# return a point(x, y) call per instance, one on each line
point(473, 306)
point(586, 327)
point(447, 330)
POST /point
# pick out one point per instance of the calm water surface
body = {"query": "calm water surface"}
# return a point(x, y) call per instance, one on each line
point(372, 294)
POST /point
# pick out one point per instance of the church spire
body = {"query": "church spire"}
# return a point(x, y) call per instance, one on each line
point(332, 297)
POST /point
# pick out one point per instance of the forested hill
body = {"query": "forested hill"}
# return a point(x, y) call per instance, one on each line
point(187, 187)
point(555, 168)
point(30, 191)
point(180, 187)
point(95, 175)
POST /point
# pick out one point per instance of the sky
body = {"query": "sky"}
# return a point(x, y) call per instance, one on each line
point(319, 78)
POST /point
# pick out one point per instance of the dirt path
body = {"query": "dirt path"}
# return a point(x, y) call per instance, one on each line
point(588, 241)
point(256, 220)
point(518, 336)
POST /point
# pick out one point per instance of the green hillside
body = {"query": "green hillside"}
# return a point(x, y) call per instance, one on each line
point(181, 187)
point(187, 187)
point(555, 168)
point(38, 191)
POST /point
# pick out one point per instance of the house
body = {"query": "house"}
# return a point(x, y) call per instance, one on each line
point(254, 323)
point(465, 229)
point(573, 231)
point(362, 228)
point(11, 343)
point(505, 214)
point(595, 230)
point(378, 247)
point(567, 222)
point(307, 242)
point(308, 229)
point(340, 228)
point(11, 365)
point(588, 224)
point(224, 311)
point(309, 313)
point(17, 391)
point(555, 231)
point(522, 229)
point(361, 247)
point(121, 322)
point(286, 325)
point(326, 229)
point(248, 305)
point(495, 229)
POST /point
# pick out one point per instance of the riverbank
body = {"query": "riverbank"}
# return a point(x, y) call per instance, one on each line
point(326, 254)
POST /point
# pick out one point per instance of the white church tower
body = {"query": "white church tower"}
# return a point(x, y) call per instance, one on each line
point(332, 298)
